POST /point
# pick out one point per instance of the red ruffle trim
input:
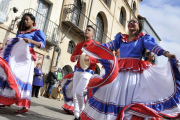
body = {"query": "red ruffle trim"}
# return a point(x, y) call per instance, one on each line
point(84, 116)
point(68, 76)
point(24, 32)
point(135, 65)
point(33, 53)
point(124, 37)
point(68, 109)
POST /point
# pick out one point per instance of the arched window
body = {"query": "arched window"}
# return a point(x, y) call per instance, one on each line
point(75, 16)
point(99, 28)
point(66, 70)
point(122, 18)
point(71, 47)
point(134, 8)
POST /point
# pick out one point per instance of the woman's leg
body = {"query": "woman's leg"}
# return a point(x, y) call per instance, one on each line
point(37, 91)
point(50, 91)
point(33, 89)
point(51, 88)
point(47, 91)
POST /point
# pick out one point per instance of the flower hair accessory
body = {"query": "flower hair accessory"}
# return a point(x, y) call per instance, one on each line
point(34, 24)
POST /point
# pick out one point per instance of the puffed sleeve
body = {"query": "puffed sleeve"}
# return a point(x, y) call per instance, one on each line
point(17, 34)
point(149, 43)
point(115, 44)
point(39, 36)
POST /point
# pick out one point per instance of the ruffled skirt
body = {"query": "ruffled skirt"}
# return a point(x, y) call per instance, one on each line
point(67, 89)
point(16, 73)
point(157, 88)
point(150, 92)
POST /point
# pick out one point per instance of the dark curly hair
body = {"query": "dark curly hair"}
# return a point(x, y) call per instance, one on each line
point(22, 27)
point(140, 27)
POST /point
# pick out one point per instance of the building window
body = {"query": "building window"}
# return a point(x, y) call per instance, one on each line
point(134, 8)
point(71, 47)
point(122, 18)
point(75, 16)
point(4, 5)
point(99, 28)
point(106, 1)
point(42, 14)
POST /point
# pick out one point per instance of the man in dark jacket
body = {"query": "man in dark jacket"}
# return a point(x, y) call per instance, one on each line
point(51, 80)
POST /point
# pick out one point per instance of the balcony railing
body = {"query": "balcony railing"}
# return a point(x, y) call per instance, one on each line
point(50, 28)
point(78, 21)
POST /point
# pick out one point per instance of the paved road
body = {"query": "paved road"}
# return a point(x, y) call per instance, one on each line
point(41, 109)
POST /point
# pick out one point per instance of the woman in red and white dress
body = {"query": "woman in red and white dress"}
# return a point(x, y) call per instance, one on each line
point(132, 88)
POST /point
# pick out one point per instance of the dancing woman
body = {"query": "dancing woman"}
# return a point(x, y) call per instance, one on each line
point(17, 64)
point(150, 57)
point(139, 90)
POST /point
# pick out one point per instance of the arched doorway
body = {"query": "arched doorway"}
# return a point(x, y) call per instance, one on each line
point(66, 70)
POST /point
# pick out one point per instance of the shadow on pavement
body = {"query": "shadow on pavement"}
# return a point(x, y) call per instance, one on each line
point(8, 113)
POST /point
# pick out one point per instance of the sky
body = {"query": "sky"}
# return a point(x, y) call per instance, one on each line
point(164, 17)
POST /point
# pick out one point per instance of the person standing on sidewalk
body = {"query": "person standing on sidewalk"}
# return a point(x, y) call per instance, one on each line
point(51, 80)
point(81, 77)
point(38, 80)
point(59, 76)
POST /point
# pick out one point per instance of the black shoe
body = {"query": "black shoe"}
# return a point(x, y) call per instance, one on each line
point(77, 118)
point(36, 96)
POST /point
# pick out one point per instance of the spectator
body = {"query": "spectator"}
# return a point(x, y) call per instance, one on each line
point(51, 80)
point(38, 80)
point(60, 93)
point(150, 57)
point(59, 75)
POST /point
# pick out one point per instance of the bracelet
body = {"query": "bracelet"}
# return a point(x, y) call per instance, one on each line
point(165, 53)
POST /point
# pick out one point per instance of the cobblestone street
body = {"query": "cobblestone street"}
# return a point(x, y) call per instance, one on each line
point(41, 109)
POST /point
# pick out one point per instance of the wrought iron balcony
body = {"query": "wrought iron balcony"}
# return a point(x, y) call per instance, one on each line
point(77, 21)
point(50, 28)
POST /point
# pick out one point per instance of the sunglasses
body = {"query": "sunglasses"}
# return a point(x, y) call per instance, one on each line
point(133, 21)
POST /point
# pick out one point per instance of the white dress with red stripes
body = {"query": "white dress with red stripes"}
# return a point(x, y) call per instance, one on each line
point(132, 88)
